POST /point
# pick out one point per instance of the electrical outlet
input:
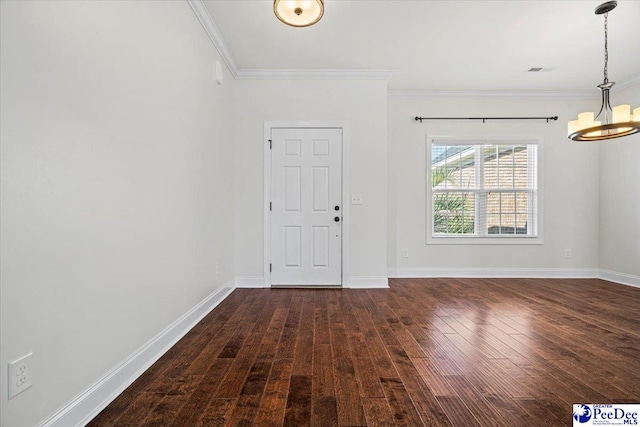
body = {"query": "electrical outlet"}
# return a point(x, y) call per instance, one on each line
point(20, 377)
point(405, 253)
point(356, 199)
point(567, 254)
point(217, 268)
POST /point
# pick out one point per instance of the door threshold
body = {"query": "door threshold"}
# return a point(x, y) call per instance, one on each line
point(306, 286)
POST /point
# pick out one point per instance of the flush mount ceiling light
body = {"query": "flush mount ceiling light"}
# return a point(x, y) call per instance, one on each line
point(299, 13)
point(613, 122)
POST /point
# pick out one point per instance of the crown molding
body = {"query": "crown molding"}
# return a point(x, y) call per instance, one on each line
point(531, 94)
point(202, 13)
point(299, 74)
point(627, 83)
point(204, 17)
point(540, 94)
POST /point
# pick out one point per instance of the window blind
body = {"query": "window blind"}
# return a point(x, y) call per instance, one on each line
point(483, 188)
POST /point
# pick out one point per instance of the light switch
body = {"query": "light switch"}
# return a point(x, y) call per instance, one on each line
point(356, 199)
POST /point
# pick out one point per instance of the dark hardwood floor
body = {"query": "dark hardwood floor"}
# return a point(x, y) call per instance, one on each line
point(432, 352)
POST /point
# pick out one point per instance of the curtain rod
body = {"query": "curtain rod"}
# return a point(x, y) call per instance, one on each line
point(484, 119)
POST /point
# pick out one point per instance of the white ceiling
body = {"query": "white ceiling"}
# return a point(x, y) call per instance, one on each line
point(442, 45)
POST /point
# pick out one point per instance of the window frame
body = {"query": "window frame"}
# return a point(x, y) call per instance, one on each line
point(497, 239)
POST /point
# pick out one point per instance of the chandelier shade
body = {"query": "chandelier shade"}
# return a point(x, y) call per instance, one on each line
point(299, 13)
point(610, 122)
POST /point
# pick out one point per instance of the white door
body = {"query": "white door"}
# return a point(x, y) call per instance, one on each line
point(306, 207)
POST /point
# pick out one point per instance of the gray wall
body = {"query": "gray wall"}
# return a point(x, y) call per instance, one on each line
point(117, 186)
point(569, 189)
point(620, 198)
point(361, 103)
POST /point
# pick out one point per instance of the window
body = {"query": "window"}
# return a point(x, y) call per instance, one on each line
point(482, 189)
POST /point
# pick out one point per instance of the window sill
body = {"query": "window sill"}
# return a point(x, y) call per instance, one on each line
point(452, 240)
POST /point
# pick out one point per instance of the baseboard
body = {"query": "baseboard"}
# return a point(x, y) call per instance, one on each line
point(621, 278)
point(80, 410)
point(367, 282)
point(250, 282)
point(546, 273)
point(352, 282)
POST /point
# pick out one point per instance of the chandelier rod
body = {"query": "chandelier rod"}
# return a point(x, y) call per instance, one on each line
point(606, 47)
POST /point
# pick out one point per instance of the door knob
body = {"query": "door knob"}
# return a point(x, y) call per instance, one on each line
point(336, 219)
point(337, 208)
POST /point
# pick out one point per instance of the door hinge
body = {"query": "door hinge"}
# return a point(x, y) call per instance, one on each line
point(270, 206)
point(270, 144)
point(270, 266)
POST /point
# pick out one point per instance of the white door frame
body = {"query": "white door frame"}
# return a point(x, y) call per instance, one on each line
point(330, 124)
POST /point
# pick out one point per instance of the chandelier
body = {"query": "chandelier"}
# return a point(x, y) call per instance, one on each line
point(609, 122)
point(299, 13)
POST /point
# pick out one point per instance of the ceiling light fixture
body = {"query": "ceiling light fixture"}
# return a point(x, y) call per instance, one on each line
point(299, 13)
point(615, 122)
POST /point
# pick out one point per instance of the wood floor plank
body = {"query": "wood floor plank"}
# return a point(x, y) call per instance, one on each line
point(457, 412)
point(484, 412)
point(422, 397)
point(383, 328)
point(325, 411)
point(246, 408)
point(321, 333)
point(242, 364)
point(593, 377)
point(537, 410)
point(218, 413)
point(510, 410)
point(279, 378)
point(461, 352)
point(192, 410)
point(303, 350)
point(404, 413)
point(286, 345)
point(368, 380)
point(272, 411)
point(377, 412)
point(434, 379)
point(298, 412)
point(378, 352)
point(272, 407)
point(235, 342)
point(323, 368)
point(350, 411)
point(502, 377)
point(138, 410)
point(175, 395)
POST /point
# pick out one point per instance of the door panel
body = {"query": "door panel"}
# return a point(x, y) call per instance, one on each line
point(292, 245)
point(306, 185)
point(320, 189)
point(320, 246)
point(292, 185)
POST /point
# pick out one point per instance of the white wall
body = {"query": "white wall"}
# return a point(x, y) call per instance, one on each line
point(127, 173)
point(619, 200)
point(570, 185)
point(117, 186)
point(363, 105)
